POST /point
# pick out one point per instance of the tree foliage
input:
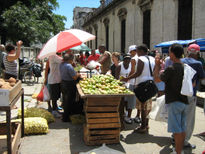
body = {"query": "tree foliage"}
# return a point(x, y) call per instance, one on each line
point(32, 21)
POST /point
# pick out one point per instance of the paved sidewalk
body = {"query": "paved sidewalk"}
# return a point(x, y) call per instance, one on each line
point(65, 138)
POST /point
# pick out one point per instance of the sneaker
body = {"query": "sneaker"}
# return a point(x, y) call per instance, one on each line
point(191, 146)
point(174, 151)
point(128, 120)
point(173, 141)
point(56, 114)
point(60, 108)
point(137, 119)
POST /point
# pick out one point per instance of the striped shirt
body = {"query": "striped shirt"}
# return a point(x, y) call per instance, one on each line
point(10, 66)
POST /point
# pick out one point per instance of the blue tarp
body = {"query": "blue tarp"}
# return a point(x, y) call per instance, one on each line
point(165, 45)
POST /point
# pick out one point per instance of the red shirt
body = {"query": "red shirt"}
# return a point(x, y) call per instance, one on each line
point(82, 60)
point(94, 57)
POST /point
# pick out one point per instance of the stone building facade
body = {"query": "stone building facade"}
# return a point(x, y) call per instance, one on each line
point(122, 23)
point(79, 15)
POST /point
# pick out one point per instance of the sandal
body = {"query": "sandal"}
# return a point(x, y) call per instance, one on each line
point(142, 130)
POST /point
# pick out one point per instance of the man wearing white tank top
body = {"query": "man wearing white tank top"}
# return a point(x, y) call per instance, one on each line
point(122, 71)
point(131, 100)
point(142, 74)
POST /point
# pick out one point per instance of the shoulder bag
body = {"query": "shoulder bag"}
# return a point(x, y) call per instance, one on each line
point(147, 89)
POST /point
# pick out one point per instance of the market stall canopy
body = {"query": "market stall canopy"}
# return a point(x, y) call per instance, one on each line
point(81, 47)
point(165, 45)
point(63, 41)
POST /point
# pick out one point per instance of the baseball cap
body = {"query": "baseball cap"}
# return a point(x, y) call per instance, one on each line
point(193, 48)
point(132, 47)
point(127, 56)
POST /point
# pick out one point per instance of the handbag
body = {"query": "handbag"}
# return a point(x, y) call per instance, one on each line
point(147, 89)
point(46, 95)
point(40, 95)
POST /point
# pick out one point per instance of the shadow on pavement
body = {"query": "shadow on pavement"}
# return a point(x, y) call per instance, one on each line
point(131, 126)
point(164, 142)
point(76, 137)
point(134, 138)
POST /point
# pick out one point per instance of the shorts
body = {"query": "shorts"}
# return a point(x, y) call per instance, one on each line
point(131, 100)
point(176, 117)
point(144, 106)
point(160, 86)
point(55, 91)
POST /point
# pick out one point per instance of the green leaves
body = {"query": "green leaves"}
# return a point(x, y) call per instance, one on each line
point(32, 21)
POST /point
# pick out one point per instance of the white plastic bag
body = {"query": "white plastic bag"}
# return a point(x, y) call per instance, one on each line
point(102, 150)
point(187, 87)
point(159, 110)
point(46, 95)
point(93, 65)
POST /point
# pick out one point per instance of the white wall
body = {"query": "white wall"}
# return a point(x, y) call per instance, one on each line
point(163, 21)
point(198, 20)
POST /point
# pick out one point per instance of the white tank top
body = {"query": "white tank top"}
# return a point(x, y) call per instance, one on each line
point(135, 80)
point(125, 72)
point(146, 71)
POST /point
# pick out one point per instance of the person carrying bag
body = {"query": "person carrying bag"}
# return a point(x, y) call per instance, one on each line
point(147, 89)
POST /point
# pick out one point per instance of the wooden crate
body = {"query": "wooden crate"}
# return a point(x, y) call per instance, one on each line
point(102, 117)
point(7, 96)
point(99, 136)
point(106, 104)
point(16, 133)
point(102, 120)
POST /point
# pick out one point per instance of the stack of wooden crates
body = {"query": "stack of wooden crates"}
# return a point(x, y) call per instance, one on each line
point(102, 120)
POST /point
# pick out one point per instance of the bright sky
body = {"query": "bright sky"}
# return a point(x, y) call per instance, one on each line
point(66, 8)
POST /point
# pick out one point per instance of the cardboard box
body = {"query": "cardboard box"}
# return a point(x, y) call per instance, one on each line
point(7, 96)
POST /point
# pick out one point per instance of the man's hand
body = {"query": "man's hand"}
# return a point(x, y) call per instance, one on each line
point(45, 82)
point(158, 60)
point(124, 79)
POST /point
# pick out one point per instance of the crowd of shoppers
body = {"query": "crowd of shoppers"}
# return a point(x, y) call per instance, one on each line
point(136, 67)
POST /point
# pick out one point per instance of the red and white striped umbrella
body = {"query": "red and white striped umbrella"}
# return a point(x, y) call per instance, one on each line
point(63, 41)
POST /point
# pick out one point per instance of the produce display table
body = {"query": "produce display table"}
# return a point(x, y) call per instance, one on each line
point(12, 146)
point(102, 118)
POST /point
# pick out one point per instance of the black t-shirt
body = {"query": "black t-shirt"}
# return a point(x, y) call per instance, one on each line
point(113, 68)
point(173, 77)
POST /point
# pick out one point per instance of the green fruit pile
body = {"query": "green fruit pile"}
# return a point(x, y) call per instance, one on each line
point(35, 125)
point(78, 68)
point(103, 84)
point(37, 112)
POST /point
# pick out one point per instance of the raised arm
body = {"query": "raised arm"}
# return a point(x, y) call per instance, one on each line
point(17, 55)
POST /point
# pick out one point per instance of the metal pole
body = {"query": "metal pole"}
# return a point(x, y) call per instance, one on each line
point(22, 113)
point(8, 123)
